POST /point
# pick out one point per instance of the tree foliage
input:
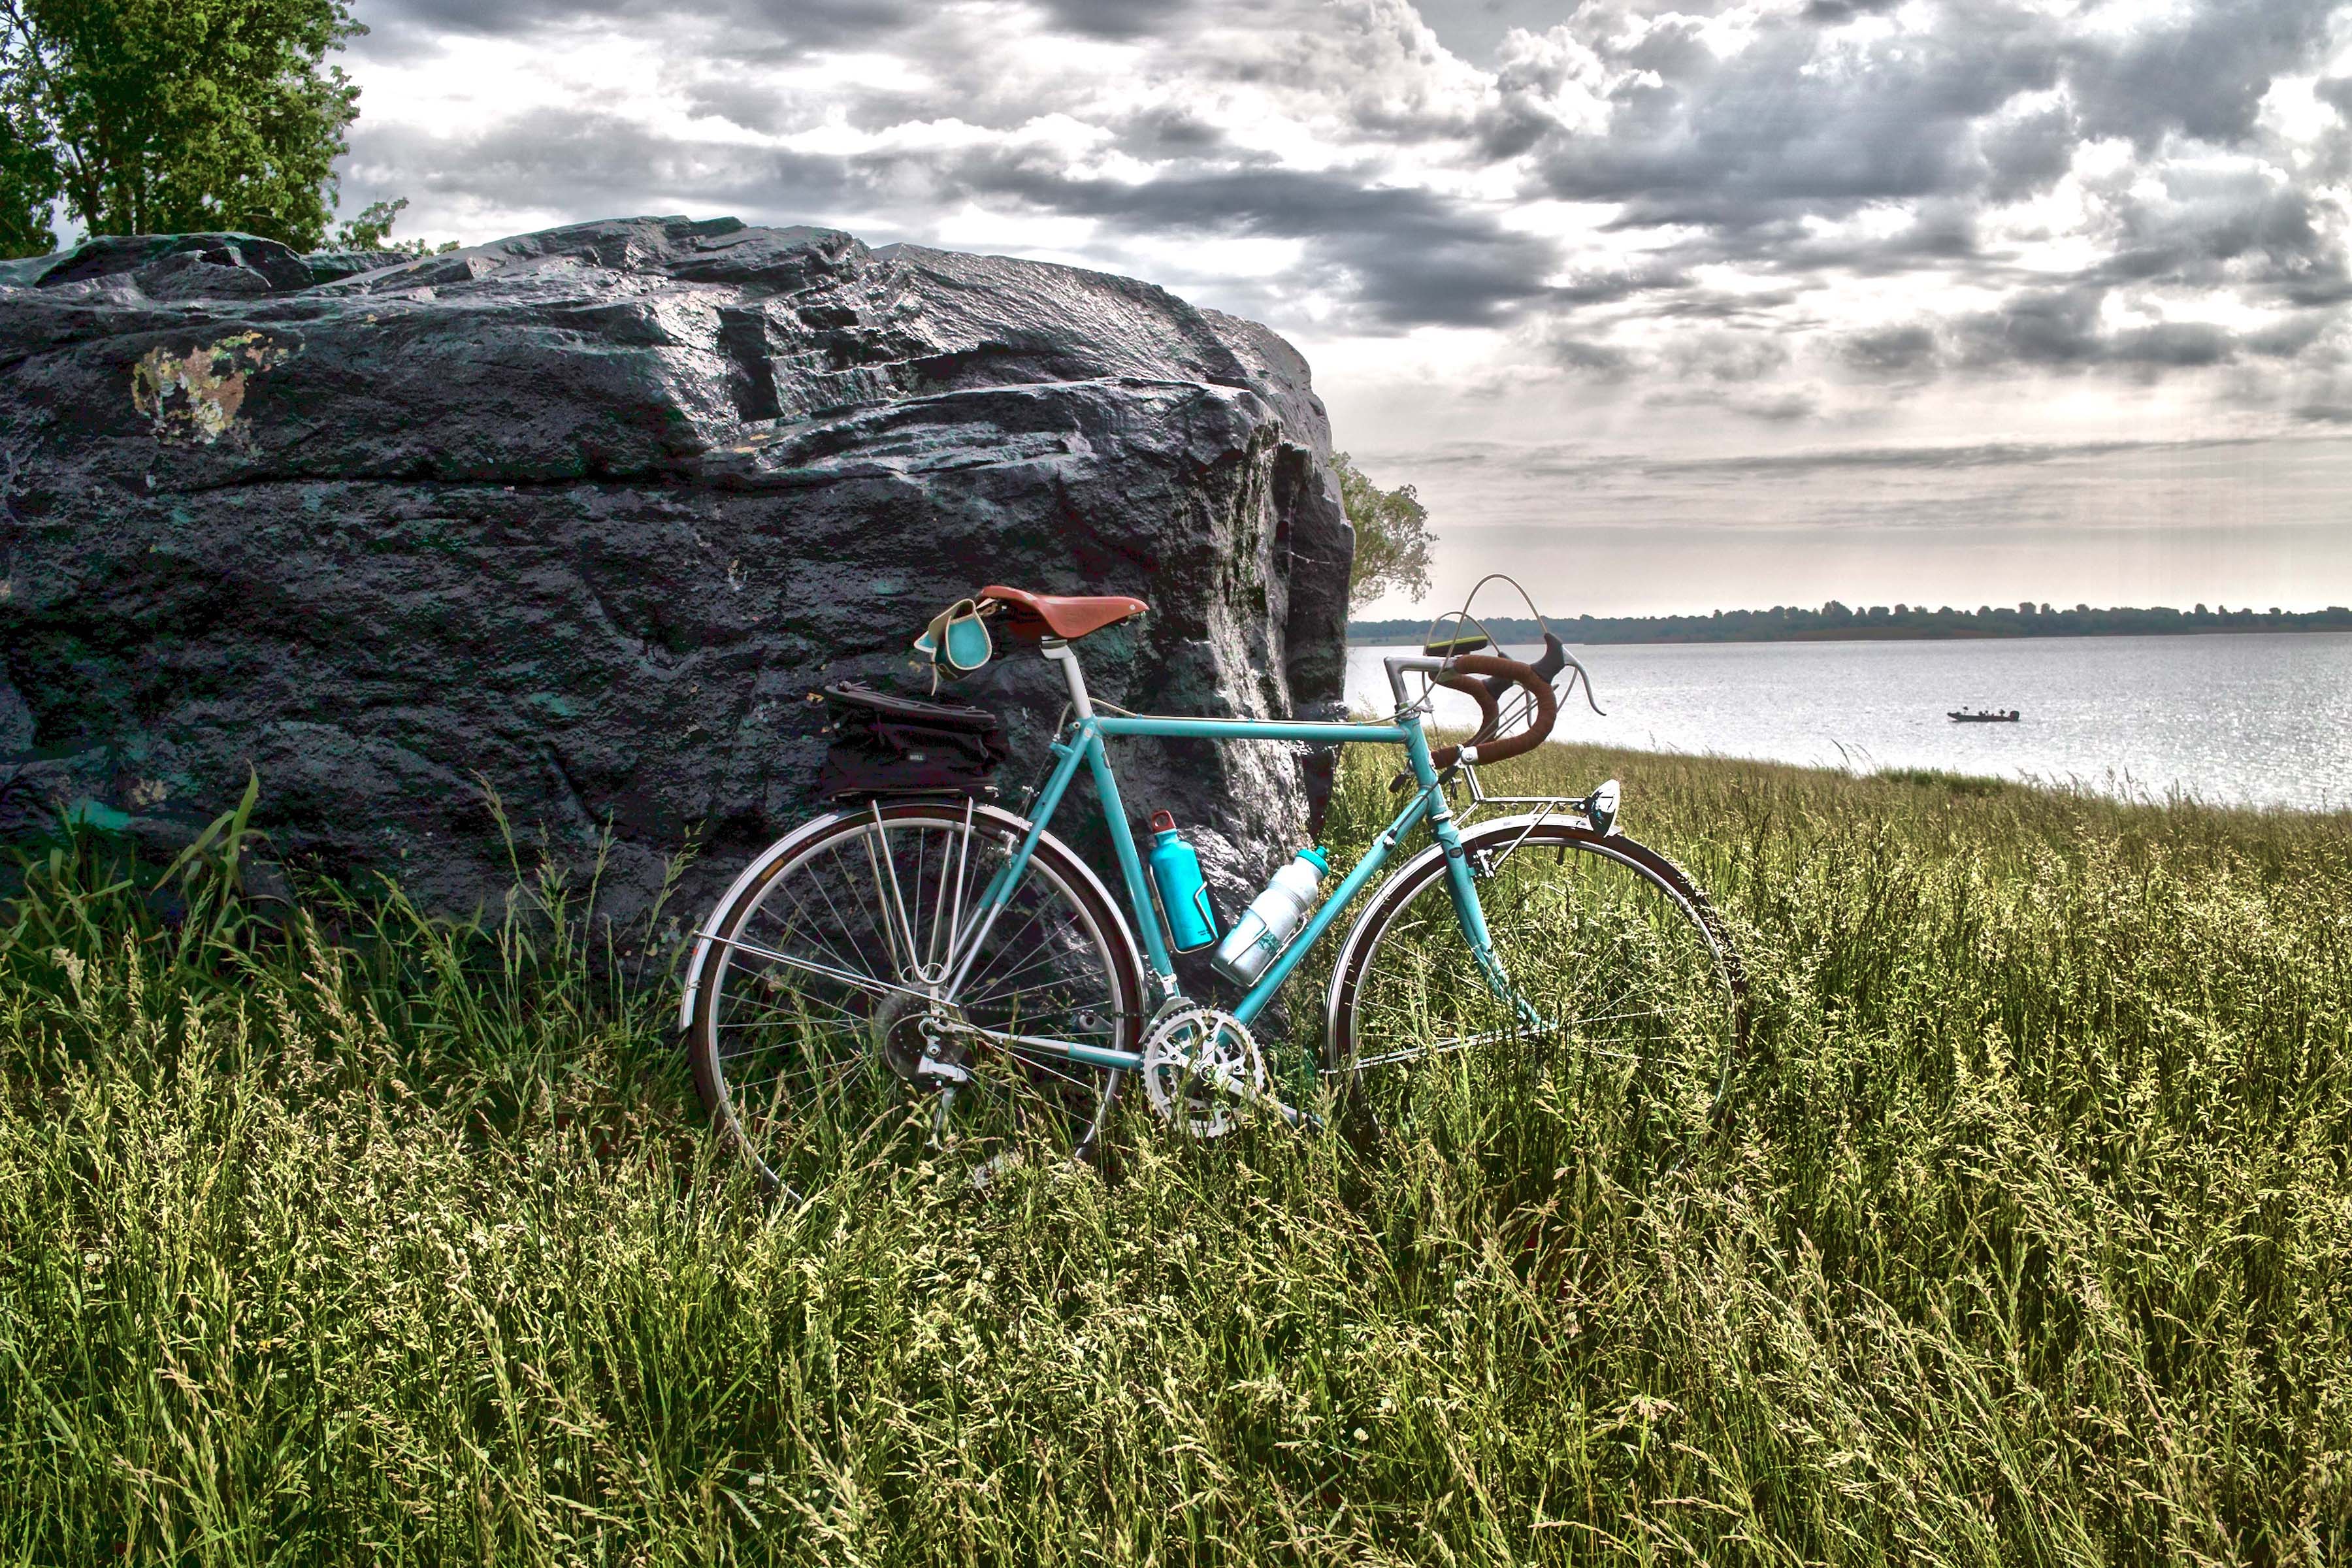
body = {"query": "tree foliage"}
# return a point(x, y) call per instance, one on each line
point(1392, 537)
point(171, 116)
point(28, 177)
point(372, 230)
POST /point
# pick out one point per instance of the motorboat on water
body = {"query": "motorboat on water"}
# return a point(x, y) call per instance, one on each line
point(1985, 716)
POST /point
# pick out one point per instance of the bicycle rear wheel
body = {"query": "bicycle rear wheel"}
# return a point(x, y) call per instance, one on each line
point(1610, 963)
point(854, 998)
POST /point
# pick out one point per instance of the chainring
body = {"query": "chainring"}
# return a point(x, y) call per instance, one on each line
point(1197, 1064)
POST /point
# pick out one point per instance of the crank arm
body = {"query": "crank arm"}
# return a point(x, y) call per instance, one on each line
point(1228, 1081)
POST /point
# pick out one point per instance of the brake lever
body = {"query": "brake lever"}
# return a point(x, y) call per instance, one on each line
point(1588, 701)
point(1555, 658)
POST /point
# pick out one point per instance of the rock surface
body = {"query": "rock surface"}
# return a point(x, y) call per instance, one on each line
point(586, 515)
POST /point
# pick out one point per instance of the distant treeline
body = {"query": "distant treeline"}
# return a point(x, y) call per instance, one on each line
point(1834, 621)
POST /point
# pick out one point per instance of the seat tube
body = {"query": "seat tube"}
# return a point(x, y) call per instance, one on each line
point(1130, 863)
point(1122, 837)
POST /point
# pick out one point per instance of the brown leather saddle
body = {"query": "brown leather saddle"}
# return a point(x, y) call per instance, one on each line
point(1034, 616)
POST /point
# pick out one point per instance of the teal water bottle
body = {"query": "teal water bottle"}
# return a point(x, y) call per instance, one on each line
point(1183, 897)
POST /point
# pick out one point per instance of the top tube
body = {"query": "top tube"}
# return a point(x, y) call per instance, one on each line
point(1174, 726)
point(1178, 728)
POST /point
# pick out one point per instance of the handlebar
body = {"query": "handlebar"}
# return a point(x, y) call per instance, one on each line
point(1499, 674)
point(1484, 691)
point(1549, 664)
point(1487, 680)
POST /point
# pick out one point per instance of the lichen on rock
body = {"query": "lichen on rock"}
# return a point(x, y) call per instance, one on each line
point(196, 396)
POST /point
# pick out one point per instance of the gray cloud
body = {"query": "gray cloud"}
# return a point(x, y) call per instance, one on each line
point(2048, 327)
point(1890, 351)
point(2234, 225)
point(2202, 72)
point(1740, 155)
point(809, 24)
point(1766, 134)
point(1404, 256)
point(1726, 356)
point(1817, 152)
point(1587, 356)
point(579, 163)
point(1113, 18)
point(1782, 407)
point(2024, 155)
point(1407, 255)
point(1572, 461)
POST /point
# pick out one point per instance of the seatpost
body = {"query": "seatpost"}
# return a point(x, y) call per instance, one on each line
point(1060, 652)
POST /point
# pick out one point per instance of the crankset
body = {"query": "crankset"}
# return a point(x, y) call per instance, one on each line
point(1199, 1066)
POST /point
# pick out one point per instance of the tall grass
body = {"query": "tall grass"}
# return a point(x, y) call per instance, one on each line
point(338, 1233)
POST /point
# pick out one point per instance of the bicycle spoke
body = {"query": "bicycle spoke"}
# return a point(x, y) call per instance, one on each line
point(818, 1022)
point(1004, 944)
point(787, 931)
point(816, 1069)
point(790, 1012)
point(826, 972)
point(994, 996)
point(1603, 964)
point(840, 923)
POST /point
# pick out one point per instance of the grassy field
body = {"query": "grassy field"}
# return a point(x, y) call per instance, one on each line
point(367, 1239)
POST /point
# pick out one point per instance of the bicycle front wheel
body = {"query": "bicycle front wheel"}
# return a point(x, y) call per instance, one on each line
point(879, 981)
point(1606, 958)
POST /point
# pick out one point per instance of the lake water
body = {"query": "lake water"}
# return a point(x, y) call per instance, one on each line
point(2255, 719)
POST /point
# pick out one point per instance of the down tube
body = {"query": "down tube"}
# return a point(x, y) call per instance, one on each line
point(1341, 897)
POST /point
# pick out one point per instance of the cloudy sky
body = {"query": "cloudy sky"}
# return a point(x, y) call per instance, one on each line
point(1667, 308)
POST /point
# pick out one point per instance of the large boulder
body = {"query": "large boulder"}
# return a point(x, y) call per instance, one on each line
point(584, 517)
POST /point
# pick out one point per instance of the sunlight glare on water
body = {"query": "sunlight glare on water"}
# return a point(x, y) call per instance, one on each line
point(2240, 719)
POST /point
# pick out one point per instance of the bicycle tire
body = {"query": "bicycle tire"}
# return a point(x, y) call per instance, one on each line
point(1451, 990)
point(751, 929)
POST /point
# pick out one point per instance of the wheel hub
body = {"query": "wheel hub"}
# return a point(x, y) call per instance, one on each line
point(917, 1038)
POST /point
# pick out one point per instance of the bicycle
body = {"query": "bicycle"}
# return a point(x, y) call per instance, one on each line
point(950, 966)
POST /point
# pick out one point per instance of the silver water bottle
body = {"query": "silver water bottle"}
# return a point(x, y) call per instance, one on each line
point(1272, 916)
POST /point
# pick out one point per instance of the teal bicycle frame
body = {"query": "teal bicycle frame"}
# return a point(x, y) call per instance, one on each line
point(1080, 745)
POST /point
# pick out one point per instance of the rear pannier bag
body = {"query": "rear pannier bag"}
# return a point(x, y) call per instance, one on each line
point(886, 745)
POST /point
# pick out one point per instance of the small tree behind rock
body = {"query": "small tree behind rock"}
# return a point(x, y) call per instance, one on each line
point(1392, 537)
point(372, 230)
